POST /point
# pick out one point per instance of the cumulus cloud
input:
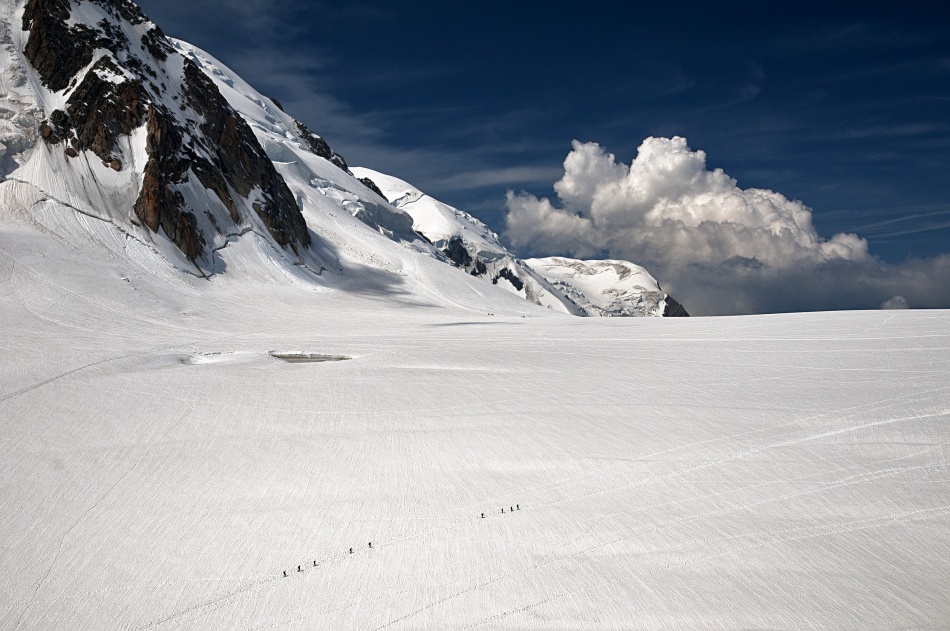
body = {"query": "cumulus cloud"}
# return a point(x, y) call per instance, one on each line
point(719, 248)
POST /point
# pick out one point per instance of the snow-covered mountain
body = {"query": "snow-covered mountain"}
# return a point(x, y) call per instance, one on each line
point(173, 160)
point(113, 120)
point(609, 287)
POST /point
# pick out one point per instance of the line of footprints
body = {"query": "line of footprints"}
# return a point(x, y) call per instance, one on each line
point(511, 509)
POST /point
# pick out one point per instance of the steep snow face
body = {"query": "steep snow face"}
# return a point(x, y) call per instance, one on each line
point(607, 287)
point(468, 243)
point(113, 134)
point(299, 154)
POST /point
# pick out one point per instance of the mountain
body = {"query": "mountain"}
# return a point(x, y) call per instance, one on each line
point(609, 288)
point(165, 151)
point(468, 243)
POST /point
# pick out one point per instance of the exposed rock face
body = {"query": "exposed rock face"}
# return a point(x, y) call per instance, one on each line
point(508, 275)
point(191, 129)
point(160, 203)
point(57, 51)
point(674, 309)
point(320, 147)
point(456, 252)
point(371, 185)
point(99, 111)
point(239, 158)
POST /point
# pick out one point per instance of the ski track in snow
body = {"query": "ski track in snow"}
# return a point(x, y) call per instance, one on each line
point(774, 537)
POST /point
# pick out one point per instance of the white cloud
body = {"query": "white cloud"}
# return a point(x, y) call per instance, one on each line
point(717, 247)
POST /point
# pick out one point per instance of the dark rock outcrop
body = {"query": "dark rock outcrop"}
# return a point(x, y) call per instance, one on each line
point(160, 204)
point(239, 158)
point(55, 49)
point(456, 252)
point(101, 110)
point(508, 275)
point(371, 185)
point(156, 44)
point(320, 147)
point(674, 309)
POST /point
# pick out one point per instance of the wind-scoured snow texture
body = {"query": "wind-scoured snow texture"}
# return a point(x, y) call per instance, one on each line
point(468, 243)
point(608, 288)
point(160, 469)
point(729, 249)
point(133, 133)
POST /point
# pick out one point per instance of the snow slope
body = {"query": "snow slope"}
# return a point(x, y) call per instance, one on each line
point(161, 469)
point(358, 242)
point(438, 221)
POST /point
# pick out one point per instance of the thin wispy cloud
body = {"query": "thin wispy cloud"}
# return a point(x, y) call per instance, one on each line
point(510, 176)
point(853, 36)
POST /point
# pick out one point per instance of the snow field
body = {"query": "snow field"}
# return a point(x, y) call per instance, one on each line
point(759, 472)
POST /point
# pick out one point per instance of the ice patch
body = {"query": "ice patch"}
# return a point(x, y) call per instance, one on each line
point(307, 358)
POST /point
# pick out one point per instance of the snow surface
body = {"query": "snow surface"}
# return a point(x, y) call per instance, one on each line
point(162, 470)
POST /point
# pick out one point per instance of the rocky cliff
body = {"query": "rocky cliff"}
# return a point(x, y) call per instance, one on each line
point(110, 72)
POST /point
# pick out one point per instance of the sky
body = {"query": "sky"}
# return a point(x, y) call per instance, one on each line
point(840, 110)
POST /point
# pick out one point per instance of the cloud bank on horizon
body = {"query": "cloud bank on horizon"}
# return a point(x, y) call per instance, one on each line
point(720, 249)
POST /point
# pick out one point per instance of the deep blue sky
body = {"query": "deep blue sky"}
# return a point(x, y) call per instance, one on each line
point(843, 106)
